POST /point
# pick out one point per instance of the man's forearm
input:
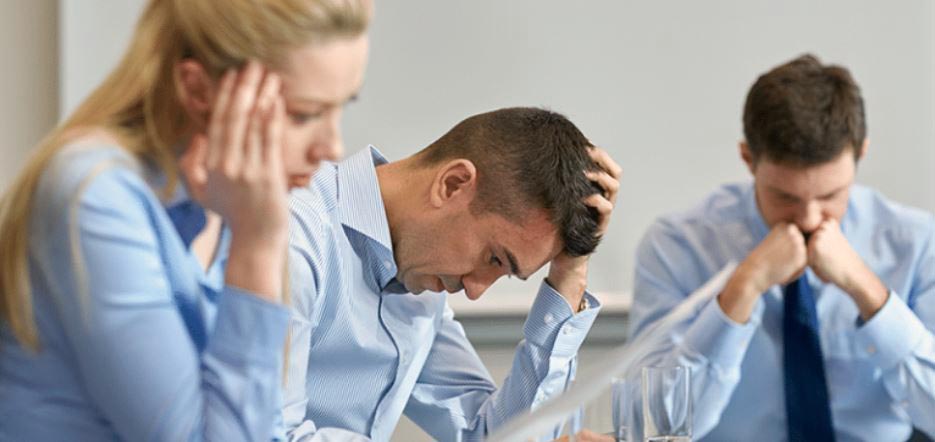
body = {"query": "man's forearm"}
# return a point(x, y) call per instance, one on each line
point(867, 291)
point(739, 296)
point(570, 282)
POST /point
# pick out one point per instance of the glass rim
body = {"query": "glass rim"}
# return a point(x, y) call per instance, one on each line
point(664, 367)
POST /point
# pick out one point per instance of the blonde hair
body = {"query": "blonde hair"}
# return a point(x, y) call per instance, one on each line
point(138, 102)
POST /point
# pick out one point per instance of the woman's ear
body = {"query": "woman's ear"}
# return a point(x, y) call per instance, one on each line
point(195, 89)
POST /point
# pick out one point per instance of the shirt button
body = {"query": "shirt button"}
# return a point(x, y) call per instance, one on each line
point(549, 319)
point(871, 349)
point(567, 330)
point(387, 265)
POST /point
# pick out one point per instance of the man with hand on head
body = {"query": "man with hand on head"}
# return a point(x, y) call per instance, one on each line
point(825, 329)
point(374, 246)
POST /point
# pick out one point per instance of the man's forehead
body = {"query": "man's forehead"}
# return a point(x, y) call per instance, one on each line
point(788, 176)
point(532, 243)
point(531, 226)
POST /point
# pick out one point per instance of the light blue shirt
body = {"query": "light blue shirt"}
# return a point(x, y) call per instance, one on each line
point(137, 342)
point(881, 374)
point(364, 351)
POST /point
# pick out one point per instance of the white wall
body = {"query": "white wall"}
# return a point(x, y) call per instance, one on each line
point(660, 84)
point(93, 36)
point(28, 79)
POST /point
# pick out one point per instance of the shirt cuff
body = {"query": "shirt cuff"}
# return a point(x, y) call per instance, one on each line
point(720, 339)
point(248, 328)
point(891, 334)
point(552, 324)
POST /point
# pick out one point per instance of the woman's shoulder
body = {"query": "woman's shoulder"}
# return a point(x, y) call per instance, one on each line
point(92, 171)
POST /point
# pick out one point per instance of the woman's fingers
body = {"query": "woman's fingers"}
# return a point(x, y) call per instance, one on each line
point(215, 130)
point(273, 137)
point(253, 142)
point(238, 116)
point(260, 120)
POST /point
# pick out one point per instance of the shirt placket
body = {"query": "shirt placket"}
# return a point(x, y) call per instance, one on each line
point(382, 430)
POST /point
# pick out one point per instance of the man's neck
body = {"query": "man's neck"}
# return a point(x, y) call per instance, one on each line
point(400, 183)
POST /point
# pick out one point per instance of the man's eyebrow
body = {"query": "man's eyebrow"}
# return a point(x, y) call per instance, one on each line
point(782, 193)
point(514, 267)
point(789, 195)
point(833, 192)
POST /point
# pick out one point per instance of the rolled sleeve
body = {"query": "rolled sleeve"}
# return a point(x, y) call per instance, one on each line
point(890, 336)
point(719, 339)
point(551, 324)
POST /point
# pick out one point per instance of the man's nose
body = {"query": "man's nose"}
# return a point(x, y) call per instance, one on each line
point(810, 217)
point(475, 285)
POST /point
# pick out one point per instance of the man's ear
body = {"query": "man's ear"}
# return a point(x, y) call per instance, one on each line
point(747, 156)
point(454, 182)
point(195, 90)
point(863, 150)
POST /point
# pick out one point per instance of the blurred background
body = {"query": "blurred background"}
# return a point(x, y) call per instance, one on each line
point(659, 84)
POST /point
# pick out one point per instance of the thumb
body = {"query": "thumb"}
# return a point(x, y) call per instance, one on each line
point(192, 166)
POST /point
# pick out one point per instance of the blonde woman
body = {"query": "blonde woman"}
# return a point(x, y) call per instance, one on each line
point(144, 242)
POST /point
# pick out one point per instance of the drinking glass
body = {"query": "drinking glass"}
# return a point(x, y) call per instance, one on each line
point(667, 404)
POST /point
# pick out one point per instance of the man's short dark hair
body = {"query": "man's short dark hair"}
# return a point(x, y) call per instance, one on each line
point(804, 113)
point(527, 158)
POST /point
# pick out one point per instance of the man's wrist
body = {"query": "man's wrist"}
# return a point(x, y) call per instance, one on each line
point(868, 292)
point(569, 279)
point(739, 296)
point(749, 279)
point(572, 292)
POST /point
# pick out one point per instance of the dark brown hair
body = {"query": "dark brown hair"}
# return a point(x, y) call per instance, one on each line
point(804, 113)
point(527, 158)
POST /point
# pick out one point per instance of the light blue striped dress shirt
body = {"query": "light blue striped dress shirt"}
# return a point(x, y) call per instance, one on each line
point(363, 351)
point(881, 374)
point(145, 346)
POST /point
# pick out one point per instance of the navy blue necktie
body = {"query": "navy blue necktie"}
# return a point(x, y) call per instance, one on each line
point(808, 410)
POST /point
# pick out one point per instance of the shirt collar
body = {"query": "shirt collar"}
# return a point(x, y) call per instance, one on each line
point(361, 211)
point(187, 216)
point(189, 219)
